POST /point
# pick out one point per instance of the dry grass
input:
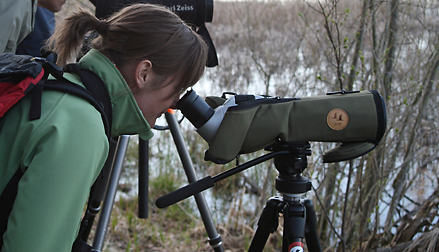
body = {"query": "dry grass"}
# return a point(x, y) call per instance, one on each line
point(171, 229)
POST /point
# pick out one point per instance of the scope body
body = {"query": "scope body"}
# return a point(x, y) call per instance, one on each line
point(246, 123)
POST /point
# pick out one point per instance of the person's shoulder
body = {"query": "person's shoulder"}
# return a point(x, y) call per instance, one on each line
point(70, 110)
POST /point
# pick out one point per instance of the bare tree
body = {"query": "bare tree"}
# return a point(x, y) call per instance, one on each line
point(311, 47)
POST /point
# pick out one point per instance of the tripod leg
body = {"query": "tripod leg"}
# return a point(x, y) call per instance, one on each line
point(214, 238)
point(268, 223)
point(143, 178)
point(312, 239)
point(96, 197)
point(104, 218)
point(294, 226)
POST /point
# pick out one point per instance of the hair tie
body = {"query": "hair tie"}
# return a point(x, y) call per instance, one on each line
point(102, 29)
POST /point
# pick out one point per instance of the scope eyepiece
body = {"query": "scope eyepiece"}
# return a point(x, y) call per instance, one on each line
point(197, 111)
point(206, 119)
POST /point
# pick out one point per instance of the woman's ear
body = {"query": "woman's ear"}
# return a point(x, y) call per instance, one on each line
point(143, 72)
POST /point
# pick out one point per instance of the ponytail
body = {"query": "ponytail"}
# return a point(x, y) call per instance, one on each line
point(68, 36)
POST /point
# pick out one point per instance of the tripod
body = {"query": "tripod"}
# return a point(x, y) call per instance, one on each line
point(299, 215)
point(105, 188)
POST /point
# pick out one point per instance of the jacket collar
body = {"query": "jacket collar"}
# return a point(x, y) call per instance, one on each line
point(127, 117)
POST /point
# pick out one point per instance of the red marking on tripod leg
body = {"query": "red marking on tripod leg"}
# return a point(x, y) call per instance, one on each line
point(296, 247)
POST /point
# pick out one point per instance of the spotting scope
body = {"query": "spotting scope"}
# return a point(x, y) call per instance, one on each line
point(241, 124)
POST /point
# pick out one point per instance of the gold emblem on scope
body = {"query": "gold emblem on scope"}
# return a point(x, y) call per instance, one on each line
point(337, 119)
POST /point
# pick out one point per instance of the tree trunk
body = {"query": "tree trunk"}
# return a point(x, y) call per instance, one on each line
point(389, 57)
point(358, 46)
point(399, 182)
point(329, 188)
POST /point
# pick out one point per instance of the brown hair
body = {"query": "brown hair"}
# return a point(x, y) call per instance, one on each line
point(135, 33)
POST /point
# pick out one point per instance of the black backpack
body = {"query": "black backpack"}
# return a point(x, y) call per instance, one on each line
point(22, 75)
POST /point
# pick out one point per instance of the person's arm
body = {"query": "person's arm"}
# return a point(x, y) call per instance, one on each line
point(17, 19)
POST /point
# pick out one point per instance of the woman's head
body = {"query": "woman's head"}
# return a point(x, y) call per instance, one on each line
point(149, 32)
point(139, 38)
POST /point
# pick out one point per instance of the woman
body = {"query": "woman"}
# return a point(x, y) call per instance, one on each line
point(146, 56)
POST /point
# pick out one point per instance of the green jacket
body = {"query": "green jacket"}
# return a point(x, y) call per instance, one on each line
point(61, 154)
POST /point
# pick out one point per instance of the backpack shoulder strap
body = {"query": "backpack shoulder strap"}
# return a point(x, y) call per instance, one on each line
point(96, 86)
point(95, 92)
point(37, 91)
point(7, 199)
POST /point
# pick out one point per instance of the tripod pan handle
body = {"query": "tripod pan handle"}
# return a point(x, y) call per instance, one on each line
point(184, 192)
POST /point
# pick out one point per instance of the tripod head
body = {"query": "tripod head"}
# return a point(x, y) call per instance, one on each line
point(290, 166)
point(293, 163)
